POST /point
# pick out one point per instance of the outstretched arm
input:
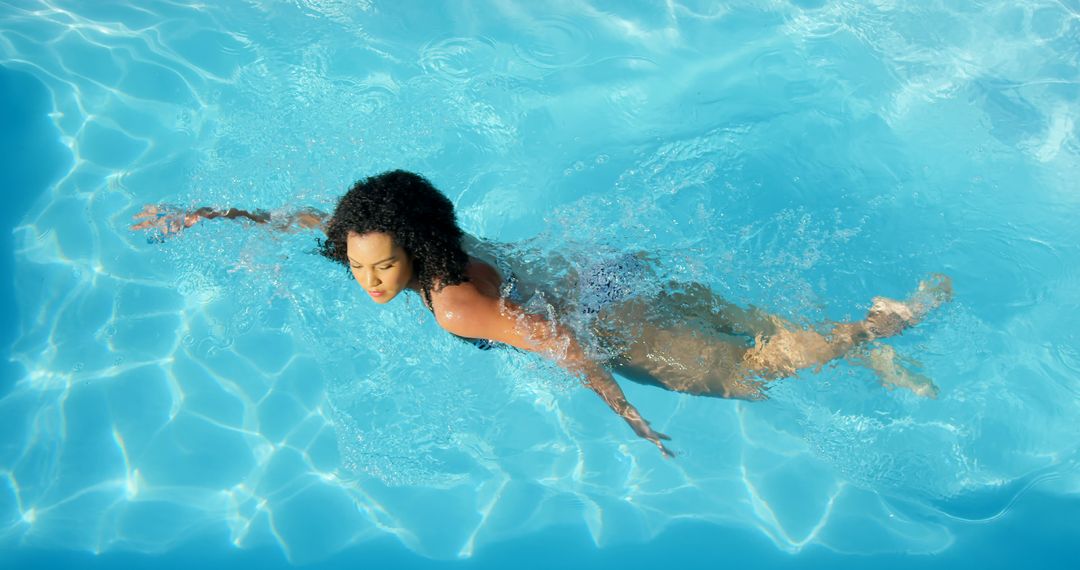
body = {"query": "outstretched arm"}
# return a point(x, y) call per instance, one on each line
point(463, 311)
point(169, 220)
point(599, 379)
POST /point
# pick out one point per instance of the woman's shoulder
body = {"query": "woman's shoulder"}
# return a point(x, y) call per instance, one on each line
point(462, 309)
point(467, 300)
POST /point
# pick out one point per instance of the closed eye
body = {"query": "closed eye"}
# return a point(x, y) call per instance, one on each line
point(383, 268)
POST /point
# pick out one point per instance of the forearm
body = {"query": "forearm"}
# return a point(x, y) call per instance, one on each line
point(501, 320)
point(258, 216)
point(598, 379)
point(308, 218)
point(605, 386)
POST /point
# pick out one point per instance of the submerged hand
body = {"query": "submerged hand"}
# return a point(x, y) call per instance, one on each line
point(165, 219)
point(642, 429)
point(655, 437)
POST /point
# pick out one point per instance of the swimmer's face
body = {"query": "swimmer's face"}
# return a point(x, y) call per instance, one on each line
point(379, 265)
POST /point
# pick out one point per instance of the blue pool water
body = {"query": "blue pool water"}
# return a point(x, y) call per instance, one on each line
point(230, 397)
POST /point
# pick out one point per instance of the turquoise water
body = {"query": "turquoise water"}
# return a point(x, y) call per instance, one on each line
point(228, 393)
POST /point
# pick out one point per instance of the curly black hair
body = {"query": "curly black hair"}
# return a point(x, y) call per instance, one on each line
point(414, 213)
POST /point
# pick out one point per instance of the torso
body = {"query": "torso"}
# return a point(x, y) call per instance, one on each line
point(683, 351)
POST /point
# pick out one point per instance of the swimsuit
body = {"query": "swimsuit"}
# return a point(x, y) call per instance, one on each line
point(612, 281)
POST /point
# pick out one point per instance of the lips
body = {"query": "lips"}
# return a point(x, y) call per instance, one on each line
point(376, 293)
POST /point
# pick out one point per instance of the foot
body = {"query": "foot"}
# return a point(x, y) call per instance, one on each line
point(886, 363)
point(888, 317)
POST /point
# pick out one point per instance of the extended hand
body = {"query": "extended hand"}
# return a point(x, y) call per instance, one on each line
point(655, 437)
point(642, 428)
point(165, 219)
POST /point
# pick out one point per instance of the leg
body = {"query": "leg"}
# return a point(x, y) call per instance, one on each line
point(781, 347)
point(695, 303)
point(894, 371)
point(889, 317)
point(664, 343)
point(688, 361)
point(790, 350)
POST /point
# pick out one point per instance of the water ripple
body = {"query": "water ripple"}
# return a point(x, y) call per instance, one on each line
point(554, 42)
point(230, 379)
point(458, 59)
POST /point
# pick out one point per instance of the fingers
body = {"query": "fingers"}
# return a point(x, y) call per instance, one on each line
point(164, 219)
point(150, 216)
point(656, 438)
point(653, 433)
point(149, 210)
point(642, 429)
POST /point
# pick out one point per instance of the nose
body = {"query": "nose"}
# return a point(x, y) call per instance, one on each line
point(369, 281)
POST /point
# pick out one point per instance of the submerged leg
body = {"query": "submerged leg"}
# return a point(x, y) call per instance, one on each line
point(895, 371)
point(691, 348)
point(688, 361)
point(661, 347)
point(889, 317)
point(792, 349)
point(697, 304)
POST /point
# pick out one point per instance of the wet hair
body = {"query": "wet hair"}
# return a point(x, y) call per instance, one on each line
point(414, 213)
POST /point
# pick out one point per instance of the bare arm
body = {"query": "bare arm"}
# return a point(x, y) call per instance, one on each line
point(170, 220)
point(463, 311)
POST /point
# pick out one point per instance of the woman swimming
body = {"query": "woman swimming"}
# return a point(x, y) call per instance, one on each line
point(397, 233)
